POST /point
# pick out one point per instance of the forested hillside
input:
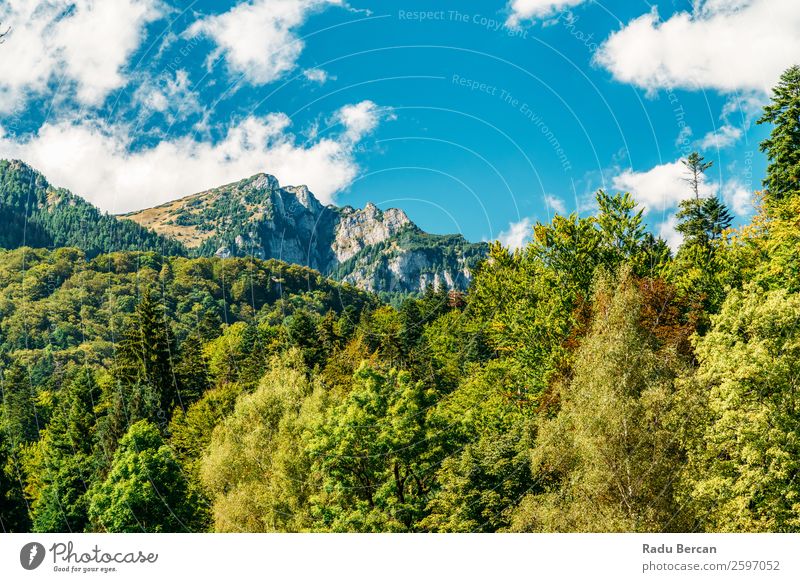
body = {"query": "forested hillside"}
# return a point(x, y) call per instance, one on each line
point(592, 381)
point(35, 214)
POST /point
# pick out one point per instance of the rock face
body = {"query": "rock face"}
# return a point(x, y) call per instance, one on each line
point(379, 251)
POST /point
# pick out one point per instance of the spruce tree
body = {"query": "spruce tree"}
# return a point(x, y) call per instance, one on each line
point(61, 465)
point(783, 145)
point(696, 167)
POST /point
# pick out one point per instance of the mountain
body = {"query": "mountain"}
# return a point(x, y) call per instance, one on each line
point(380, 251)
point(35, 214)
point(375, 250)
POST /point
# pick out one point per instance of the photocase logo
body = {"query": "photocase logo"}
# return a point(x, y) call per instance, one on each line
point(31, 555)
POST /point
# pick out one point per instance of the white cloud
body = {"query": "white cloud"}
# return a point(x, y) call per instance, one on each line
point(722, 137)
point(727, 45)
point(667, 230)
point(517, 234)
point(661, 187)
point(555, 203)
point(317, 76)
point(742, 108)
point(738, 198)
point(258, 37)
point(84, 42)
point(119, 180)
point(360, 119)
point(536, 9)
point(172, 96)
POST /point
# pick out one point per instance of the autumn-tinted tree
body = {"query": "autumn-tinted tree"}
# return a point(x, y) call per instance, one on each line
point(608, 460)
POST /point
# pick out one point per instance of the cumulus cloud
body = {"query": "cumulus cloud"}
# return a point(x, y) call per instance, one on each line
point(170, 95)
point(727, 45)
point(258, 38)
point(120, 180)
point(517, 234)
point(81, 42)
point(661, 187)
point(360, 119)
point(317, 76)
point(742, 108)
point(738, 198)
point(537, 9)
point(722, 137)
point(556, 204)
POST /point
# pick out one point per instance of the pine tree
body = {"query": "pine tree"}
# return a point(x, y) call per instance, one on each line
point(783, 145)
point(19, 415)
point(701, 219)
point(717, 218)
point(696, 167)
point(61, 465)
point(191, 370)
point(144, 383)
point(146, 353)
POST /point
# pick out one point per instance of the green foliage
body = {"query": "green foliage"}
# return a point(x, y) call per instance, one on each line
point(255, 468)
point(14, 511)
point(62, 464)
point(485, 437)
point(745, 451)
point(607, 460)
point(372, 453)
point(783, 145)
point(145, 490)
point(34, 213)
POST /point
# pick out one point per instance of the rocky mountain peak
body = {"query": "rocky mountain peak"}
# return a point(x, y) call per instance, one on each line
point(305, 198)
point(262, 182)
point(379, 250)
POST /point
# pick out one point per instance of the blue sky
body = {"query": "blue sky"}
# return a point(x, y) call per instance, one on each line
point(478, 118)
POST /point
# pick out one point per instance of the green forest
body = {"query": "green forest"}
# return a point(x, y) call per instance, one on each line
point(593, 381)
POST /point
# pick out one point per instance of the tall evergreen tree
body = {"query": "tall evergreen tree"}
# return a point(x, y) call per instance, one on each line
point(147, 352)
point(783, 145)
point(696, 167)
point(145, 385)
point(61, 465)
point(191, 370)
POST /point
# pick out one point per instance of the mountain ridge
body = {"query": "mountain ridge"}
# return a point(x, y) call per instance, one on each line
point(380, 251)
point(377, 250)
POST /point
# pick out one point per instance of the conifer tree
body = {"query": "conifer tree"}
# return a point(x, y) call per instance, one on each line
point(783, 145)
point(61, 466)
